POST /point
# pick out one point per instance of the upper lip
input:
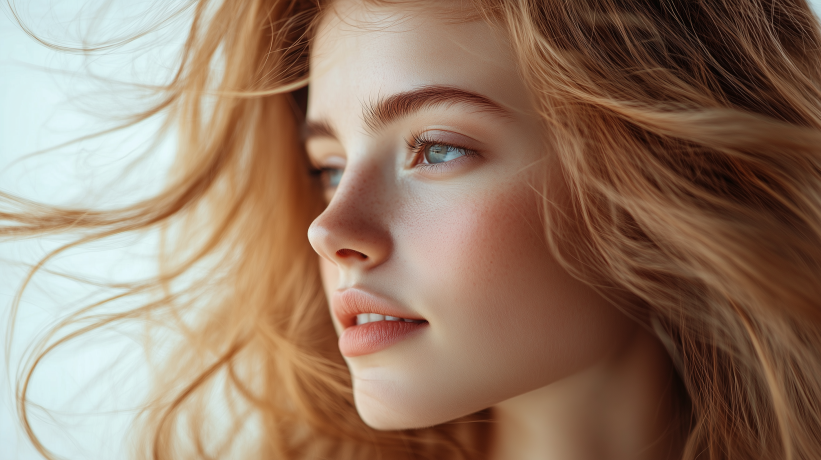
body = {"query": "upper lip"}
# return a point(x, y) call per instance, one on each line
point(348, 303)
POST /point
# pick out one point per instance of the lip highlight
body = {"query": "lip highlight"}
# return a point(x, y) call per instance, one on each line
point(363, 339)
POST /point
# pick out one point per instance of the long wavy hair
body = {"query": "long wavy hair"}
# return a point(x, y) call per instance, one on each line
point(688, 133)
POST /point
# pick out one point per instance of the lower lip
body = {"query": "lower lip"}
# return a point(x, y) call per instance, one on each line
point(376, 336)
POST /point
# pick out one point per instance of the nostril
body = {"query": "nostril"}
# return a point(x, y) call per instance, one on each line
point(350, 253)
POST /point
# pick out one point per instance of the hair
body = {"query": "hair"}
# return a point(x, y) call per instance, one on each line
point(689, 137)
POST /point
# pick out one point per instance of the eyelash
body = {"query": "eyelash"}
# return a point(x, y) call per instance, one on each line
point(417, 146)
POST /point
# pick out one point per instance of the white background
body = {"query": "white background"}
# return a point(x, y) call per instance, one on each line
point(47, 98)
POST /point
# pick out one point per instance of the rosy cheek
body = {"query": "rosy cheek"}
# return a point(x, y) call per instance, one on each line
point(503, 305)
point(483, 266)
point(469, 246)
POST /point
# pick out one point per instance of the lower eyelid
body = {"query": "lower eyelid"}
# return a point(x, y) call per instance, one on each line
point(445, 167)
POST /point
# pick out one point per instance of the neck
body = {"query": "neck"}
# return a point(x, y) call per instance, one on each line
point(621, 408)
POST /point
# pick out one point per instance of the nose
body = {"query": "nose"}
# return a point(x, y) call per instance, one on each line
point(353, 230)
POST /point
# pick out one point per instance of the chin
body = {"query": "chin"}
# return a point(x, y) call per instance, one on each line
point(395, 412)
point(384, 419)
point(385, 403)
point(381, 415)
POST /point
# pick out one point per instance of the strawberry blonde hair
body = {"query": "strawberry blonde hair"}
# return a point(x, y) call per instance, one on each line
point(689, 136)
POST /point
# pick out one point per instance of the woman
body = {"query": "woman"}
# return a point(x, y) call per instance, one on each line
point(589, 229)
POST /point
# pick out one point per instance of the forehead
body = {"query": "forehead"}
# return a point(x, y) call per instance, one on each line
point(362, 53)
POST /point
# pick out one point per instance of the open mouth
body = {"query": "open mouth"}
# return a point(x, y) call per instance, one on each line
point(354, 307)
point(364, 318)
point(371, 323)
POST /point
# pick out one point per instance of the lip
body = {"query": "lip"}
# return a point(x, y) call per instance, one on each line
point(363, 339)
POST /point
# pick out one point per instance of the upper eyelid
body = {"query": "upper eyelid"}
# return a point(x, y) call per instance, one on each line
point(418, 147)
point(332, 150)
point(420, 139)
point(319, 164)
point(448, 137)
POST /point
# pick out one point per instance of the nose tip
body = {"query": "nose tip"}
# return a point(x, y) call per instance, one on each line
point(354, 230)
point(318, 236)
point(349, 241)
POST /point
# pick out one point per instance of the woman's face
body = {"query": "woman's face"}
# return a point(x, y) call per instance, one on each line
point(435, 219)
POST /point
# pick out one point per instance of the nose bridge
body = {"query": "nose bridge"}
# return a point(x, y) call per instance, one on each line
point(353, 230)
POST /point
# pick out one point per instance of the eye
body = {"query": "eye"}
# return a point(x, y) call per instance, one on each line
point(331, 177)
point(440, 153)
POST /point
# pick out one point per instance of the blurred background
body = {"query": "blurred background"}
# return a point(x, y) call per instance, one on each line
point(91, 387)
point(48, 97)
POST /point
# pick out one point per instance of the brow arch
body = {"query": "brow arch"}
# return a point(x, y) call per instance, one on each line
point(399, 105)
point(396, 106)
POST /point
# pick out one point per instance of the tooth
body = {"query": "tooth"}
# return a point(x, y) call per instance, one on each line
point(376, 317)
point(407, 320)
point(392, 318)
point(362, 318)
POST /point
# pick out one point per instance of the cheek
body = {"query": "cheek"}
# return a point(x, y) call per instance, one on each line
point(488, 271)
point(505, 317)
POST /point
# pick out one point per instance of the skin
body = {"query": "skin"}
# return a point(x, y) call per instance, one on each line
point(462, 245)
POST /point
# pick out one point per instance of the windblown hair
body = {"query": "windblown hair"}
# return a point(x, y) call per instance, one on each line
point(688, 133)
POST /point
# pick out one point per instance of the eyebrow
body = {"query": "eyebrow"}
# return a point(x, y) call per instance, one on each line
point(386, 110)
point(317, 128)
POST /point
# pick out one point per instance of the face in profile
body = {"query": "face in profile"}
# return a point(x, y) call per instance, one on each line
point(433, 257)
